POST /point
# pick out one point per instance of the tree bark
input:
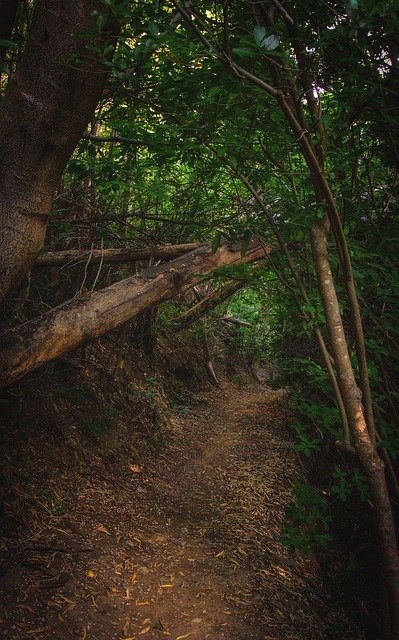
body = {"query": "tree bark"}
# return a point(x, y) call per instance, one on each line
point(90, 316)
point(367, 453)
point(48, 104)
point(74, 257)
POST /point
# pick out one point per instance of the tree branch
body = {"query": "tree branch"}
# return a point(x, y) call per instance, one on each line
point(73, 257)
point(132, 141)
point(211, 301)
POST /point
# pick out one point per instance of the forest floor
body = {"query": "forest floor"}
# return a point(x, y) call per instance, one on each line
point(186, 546)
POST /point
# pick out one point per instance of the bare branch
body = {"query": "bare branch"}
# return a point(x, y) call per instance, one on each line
point(73, 257)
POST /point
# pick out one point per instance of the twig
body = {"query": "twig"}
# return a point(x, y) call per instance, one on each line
point(99, 266)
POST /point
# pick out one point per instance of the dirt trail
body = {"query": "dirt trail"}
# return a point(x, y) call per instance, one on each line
point(186, 547)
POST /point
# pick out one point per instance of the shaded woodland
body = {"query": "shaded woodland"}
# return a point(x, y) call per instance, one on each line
point(217, 182)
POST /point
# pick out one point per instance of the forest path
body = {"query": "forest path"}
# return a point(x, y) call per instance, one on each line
point(186, 547)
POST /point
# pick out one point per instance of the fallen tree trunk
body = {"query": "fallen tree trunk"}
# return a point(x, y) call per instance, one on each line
point(205, 305)
point(73, 257)
point(94, 314)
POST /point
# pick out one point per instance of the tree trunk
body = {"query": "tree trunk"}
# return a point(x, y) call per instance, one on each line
point(90, 316)
point(49, 101)
point(73, 257)
point(372, 465)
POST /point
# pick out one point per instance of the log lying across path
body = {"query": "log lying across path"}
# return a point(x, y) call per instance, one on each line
point(94, 314)
point(73, 257)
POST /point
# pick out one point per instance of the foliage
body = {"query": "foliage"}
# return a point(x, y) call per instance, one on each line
point(346, 483)
point(305, 444)
point(250, 342)
point(307, 522)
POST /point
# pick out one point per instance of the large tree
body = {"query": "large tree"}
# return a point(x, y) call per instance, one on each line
point(45, 110)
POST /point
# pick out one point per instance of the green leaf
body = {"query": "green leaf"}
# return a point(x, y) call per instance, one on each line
point(108, 49)
point(245, 241)
point(213, 91)
point(244, 52)
point(101, 21)
point(8, 44)
point(4, 68)
point(271, 43)
point(216, 241)
point(153, 28)
point(259, 34)
point(91, 150)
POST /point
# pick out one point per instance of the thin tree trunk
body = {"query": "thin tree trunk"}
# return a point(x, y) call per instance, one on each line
point(91, 315)
point(365, 448)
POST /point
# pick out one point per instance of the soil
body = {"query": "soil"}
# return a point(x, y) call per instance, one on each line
point(182, 545)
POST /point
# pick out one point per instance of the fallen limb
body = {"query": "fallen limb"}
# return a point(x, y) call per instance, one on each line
point(205, 305)
point(74, 257)
point(115, 139)
point(94, 314)
point(237, 321)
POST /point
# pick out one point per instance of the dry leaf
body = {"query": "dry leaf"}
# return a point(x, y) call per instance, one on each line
point(165, 631)
point(26, 607)
point(91, 574)
point(61, 531)
point(103, 529)
point(126, 626)
point(135, 468)
point(65, 599)
point(93, 601)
